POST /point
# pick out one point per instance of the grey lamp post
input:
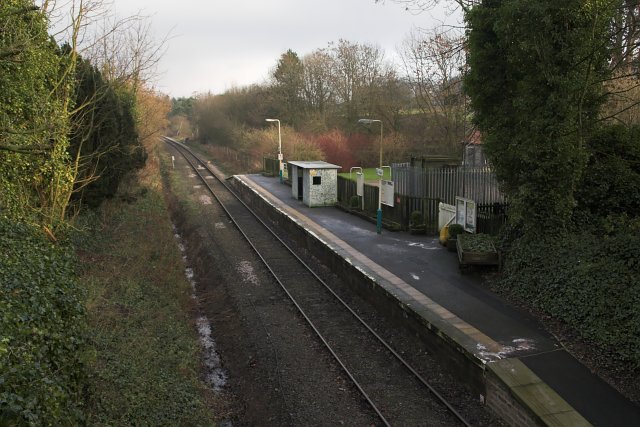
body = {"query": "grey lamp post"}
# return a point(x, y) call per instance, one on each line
point(279, 147)
point(379, 216)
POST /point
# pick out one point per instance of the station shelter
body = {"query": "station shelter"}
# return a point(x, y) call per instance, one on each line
point(314, 182)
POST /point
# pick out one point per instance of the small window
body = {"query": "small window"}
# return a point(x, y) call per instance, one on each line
point(317, 180)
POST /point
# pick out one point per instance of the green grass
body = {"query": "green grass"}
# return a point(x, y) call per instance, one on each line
point(369, 174)
point(145, 369)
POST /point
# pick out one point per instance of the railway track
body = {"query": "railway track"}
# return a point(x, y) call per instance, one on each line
point(394, 390)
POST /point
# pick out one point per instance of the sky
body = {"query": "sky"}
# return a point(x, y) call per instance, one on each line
point(218, 44)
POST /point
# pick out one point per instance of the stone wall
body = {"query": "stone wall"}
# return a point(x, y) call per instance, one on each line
point(324, 194)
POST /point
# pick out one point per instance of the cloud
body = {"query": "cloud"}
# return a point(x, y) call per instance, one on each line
point(217, 43)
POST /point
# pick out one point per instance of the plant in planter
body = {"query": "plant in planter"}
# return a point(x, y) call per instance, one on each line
point(454, 231)
point(478, 249)
point(416, 223)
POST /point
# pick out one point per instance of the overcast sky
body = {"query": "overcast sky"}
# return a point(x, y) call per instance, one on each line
point(218, 44)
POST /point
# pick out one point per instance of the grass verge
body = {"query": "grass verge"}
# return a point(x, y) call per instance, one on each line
point(146, 362)
point(369, 174)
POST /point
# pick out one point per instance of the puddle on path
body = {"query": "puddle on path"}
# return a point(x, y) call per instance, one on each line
point(429, 247)
point(518, 345)
point(215, 375)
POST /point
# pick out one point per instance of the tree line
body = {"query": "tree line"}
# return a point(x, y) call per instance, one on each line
point(74, 121)
point(322, 94)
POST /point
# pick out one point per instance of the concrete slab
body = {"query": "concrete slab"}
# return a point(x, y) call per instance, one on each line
point(589, 394)
point(539, 398)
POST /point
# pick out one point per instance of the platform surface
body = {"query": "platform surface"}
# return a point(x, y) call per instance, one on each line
point(425, 273)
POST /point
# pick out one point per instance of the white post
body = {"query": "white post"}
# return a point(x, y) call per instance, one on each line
point(379, 213)
point(280, 157)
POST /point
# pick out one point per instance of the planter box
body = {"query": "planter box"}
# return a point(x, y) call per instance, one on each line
point(470, 257)
point(418, 229)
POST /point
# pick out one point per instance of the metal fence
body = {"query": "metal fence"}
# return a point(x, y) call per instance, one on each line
point(490, 216)
point(478, 184)
point(398, 214)
point(270, 167)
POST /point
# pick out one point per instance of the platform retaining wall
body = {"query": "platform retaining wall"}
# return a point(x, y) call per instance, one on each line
point(462, 364)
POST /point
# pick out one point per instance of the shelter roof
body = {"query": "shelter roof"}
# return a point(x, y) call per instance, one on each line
point(314, 164)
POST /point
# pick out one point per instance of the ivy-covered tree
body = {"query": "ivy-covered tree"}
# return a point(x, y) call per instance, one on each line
point(104, 141)
point(35, 174)
point(535, 82)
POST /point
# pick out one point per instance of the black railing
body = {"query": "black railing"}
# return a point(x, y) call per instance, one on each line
point(270, 167)
point(490, 217)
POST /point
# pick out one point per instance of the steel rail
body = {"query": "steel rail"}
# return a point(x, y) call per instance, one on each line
point(180, 147)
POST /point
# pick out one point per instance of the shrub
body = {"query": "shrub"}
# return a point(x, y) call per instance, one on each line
point(354, 202)
point(416, 218)
point(608, 194)
point(341, 149)
point(42, 328)
point(454, 230)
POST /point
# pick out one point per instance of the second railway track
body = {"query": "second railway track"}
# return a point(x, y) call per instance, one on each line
point(393, 389)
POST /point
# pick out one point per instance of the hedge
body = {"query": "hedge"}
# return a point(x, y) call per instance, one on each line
point(42, 328)
point(590, 282)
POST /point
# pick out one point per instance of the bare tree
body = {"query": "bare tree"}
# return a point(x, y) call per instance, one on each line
point(126, 51)
point(434, 62)
point(317, 90)
point(357, 68)
point(625, 37)
point(623, 88)
point(418, 6)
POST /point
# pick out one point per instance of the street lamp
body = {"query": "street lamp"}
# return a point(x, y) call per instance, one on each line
point(379, 216)
point(279, 147)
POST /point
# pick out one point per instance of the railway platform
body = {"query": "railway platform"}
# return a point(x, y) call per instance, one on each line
point(527, 376)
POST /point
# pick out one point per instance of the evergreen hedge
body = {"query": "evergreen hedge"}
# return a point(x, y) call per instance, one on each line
point(590, 282)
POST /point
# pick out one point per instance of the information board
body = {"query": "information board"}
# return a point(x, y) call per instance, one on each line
point(388, 189)
point(466, 214)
